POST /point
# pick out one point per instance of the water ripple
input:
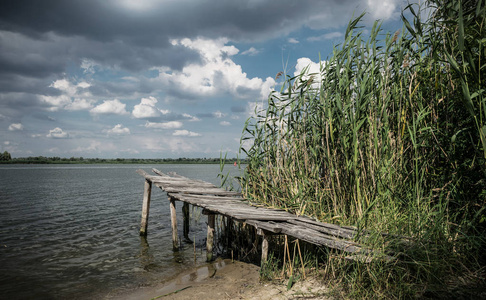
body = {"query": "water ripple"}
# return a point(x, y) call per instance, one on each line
point(69, 231)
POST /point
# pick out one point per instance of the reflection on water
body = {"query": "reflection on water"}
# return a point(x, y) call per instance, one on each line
point(146, 258)
point(72, 231)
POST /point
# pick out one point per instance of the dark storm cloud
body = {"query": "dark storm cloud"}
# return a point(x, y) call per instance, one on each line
point(39, 39)
point(14, 105)
point(159, 20)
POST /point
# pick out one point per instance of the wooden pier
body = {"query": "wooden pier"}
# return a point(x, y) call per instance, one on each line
point(267, 221)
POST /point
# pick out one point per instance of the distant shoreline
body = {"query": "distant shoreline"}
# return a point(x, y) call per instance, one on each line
point(80, 160)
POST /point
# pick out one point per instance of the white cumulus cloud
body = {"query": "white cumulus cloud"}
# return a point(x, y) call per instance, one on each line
point(56, 102)
point(118, 130)
point(218, 114)
point(68, 87)
point(311, 69)
point(251, 52)
point(185, 133)
point(165, 125)
point(147, 109)
point(191, 118)
point(16, 127)
point(217, 74)
point(225, 123)
point(114, 107)
point(382, 9)
point(79, 104)
point(73, 96)
point(57, 133)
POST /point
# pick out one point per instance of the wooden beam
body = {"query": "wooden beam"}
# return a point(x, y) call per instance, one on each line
point(173, 221)
point(210, 237)
point(147, 191)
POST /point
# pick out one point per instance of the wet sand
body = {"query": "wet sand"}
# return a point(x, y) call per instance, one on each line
point(225, 279)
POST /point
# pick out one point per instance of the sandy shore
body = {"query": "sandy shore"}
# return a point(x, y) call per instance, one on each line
point(225, 279)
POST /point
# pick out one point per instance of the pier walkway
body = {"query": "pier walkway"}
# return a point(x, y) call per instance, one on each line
point(267, 221)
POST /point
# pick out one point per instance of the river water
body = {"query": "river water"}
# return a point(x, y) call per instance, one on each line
point(72, 231)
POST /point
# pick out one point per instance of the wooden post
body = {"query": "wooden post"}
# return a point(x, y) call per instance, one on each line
point(264, 249)
point(145, 207)
point(185, 214)
point(264, 245)
point(210, 237)
point(173, 221)
point(229, 231)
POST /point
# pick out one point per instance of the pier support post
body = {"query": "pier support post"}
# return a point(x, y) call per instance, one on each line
point(173, 221)
point(185, 215)
point(229, 230)
point(145, 207)
point(264, 249)
point(264, 245)
point(210, 237)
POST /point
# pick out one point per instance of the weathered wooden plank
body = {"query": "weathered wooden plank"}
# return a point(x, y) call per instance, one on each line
point(170, 181)
point(329, 225)
point(159, 172)
point(268, 226)
point(259, 217)
point(192, 190)
point(175, 176)
point(169, 187)
point(338, 232)
point(237, 209)
point(142, 172)
point(241, 213)
point(215, 200)
point(179, 180)
point(318, 238)
point(210, 197)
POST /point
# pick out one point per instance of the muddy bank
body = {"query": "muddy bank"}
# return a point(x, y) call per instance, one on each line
point(224, 279)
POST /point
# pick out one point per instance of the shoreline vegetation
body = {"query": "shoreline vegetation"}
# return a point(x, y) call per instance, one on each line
point(82, 160)
point(389, 137)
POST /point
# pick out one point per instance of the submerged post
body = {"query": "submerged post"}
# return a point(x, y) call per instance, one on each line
point(185, 215)
point(210, 237)
point(145, 207)
point(173, 221)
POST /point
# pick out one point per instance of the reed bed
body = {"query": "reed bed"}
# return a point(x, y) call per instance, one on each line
point(389, 136)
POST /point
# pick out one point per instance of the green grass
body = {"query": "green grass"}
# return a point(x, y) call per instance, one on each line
point(392, 139)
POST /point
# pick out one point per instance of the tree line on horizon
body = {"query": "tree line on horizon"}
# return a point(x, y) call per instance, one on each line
point(6, 157)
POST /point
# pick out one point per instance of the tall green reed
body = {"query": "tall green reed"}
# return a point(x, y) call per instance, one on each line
point(388, 136)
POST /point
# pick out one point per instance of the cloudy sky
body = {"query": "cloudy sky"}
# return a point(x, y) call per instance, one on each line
point(155, 78)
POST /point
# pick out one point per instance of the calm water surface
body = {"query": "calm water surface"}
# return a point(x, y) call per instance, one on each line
point(72, 231)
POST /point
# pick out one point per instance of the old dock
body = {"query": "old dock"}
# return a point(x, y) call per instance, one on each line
point(266, 221)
